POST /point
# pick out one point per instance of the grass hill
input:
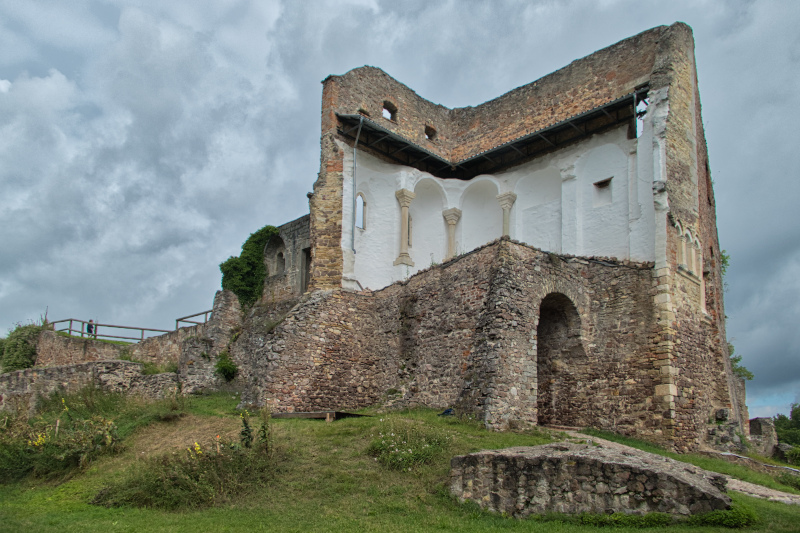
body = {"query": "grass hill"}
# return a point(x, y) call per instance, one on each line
point(382, 472)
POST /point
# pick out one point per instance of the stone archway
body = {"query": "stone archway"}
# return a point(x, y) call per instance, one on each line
point(561, 363)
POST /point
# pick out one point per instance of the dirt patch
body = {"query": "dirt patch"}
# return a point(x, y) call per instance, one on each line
point(177, 435)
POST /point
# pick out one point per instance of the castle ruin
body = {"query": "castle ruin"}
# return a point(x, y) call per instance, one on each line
point(547, 257)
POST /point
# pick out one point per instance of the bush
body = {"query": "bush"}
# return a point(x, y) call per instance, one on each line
point(225, 366)
point(737, 517)
point(789, 480)
point(19, 348)
point(52, 449)
point(793, 456)
point(199, 477)
point(405, 444)
point(244, 275)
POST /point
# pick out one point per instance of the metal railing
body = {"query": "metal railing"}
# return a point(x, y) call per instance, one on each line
point(185, 319)
point(78, 327)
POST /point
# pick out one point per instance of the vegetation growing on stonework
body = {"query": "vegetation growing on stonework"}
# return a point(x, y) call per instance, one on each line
point(739, 370)
point(225, 366)
point(18, 350)
point(245, 274)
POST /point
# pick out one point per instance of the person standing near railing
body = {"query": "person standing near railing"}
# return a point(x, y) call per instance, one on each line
point(90, 328)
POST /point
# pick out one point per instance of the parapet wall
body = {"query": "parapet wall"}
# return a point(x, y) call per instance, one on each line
point(53, 349)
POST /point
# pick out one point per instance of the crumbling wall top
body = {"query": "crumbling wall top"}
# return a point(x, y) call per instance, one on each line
point(457, 134)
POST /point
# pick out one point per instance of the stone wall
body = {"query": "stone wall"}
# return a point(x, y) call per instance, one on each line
point(464, 334)
point(584, 84)
point(572, 479)
point(53, 349)
point(22, 388)
point(287, 257)
point(507, 333)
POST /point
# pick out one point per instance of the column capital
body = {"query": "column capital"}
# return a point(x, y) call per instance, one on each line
point(452, 215)
point(404, 196)
point(506, 199)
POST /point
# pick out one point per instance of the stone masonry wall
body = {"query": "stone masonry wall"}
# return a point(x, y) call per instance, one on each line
point(58, 350)
point(584, 84)
point(464, 334)
point(53, 349)
point(571, 478)
point(22, 388)
point(696, 378)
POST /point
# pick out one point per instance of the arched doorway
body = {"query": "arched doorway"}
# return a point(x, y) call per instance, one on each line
point(561, 361)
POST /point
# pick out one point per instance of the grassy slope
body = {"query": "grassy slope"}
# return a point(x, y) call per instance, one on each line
point(325, 482)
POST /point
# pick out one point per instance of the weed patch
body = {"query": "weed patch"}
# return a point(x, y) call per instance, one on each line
point(201, 476)
point(738, 516)
point(225, 366)
point(53, 449)
point(402, 444)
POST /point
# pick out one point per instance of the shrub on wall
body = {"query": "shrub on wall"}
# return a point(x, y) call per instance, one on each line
point(245, 274)
point(18, 350)
point(225, 366)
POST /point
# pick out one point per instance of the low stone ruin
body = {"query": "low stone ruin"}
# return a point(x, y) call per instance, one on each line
point(578, 478)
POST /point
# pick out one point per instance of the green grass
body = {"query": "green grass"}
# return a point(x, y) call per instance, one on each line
point(324, 480)
point(713, 464)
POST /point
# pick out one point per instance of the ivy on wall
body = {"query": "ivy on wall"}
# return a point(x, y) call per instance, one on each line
point(245, 274)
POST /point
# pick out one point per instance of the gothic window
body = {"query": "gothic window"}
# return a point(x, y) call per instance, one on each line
point(361, 211)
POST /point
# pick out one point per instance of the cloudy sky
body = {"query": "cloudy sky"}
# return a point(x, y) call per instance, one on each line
point(141, 142)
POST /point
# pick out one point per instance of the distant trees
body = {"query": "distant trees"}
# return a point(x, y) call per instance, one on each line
point(788, 427)
point(245, 274)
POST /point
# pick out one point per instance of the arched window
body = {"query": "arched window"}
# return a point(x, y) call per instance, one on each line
point(280, 264)
point(361, 211)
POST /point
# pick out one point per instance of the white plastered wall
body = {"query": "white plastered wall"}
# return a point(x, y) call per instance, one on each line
point(558, 207)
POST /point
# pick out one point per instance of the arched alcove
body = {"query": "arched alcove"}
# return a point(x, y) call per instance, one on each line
point(561, 363)
point(275, 257)
point(428, 232)
point(481, 215)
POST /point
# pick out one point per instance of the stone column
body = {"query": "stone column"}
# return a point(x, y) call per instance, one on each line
point(404, 197)
point(451, 216)
point(506, 201)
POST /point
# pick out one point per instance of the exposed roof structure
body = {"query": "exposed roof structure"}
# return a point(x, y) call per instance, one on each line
point(372, 135)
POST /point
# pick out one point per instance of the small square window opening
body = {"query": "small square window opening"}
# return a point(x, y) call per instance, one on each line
point(389, 111)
